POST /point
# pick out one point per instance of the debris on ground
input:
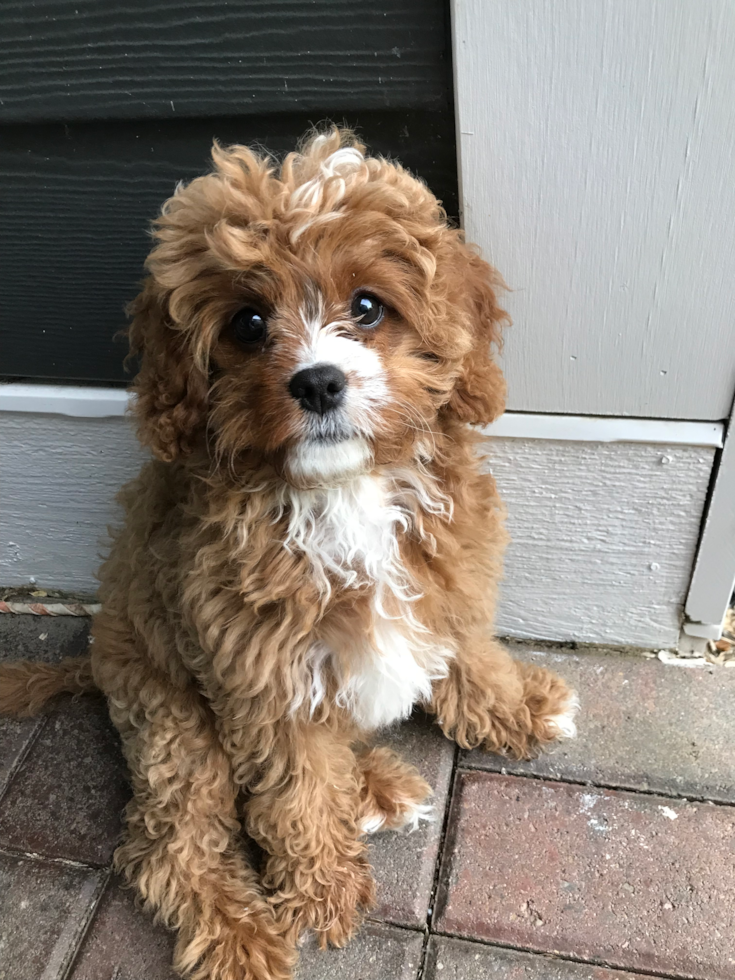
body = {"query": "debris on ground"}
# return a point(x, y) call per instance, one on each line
point(722, 651)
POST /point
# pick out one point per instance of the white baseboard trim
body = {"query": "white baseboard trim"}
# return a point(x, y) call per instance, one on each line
point(81, 402)
point(713, 580)
point(704, 631)
point(74, 400)
point(597, 428)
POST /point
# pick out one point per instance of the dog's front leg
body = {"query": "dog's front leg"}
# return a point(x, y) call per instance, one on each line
point(491, 701)
point(304, 812)
point(181, 846)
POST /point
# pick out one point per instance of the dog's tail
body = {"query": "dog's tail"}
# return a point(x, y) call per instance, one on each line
point(26, 687)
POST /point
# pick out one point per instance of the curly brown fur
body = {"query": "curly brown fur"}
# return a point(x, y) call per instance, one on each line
point(288, 579)
point(27, 686)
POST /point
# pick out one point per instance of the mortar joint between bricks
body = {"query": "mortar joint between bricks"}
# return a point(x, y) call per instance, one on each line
point(439, 861)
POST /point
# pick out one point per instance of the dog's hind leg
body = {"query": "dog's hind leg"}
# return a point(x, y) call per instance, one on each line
point(393, 793)
point(304, 812)
point(491, 701)
point(180, 847)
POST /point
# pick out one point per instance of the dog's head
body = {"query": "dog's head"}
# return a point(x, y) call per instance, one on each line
point(321, 315)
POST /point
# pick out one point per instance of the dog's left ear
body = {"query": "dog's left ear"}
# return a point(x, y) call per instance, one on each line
point(479, 394)
point(171, 389)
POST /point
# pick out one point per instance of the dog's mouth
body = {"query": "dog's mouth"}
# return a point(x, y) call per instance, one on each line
point(328, 440)
point(329, 429)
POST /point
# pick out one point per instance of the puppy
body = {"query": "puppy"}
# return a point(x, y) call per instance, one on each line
point(313, 552)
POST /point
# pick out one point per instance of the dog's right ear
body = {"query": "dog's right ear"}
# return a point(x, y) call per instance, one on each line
point(171, 390)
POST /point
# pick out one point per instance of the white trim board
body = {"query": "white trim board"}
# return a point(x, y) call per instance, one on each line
point(73, 400)
point(713, 580)
point(595, 428)
point(97, 402)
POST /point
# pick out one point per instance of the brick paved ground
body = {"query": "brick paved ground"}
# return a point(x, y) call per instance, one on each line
point(610, 859)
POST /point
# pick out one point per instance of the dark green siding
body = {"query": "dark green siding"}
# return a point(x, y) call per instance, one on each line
point(103, 108)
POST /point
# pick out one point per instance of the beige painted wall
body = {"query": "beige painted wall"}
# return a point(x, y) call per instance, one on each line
point(596, 141)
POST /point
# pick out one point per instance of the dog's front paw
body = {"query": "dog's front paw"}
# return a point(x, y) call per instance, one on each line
point(563, 724)
point(551, 708)
point(519, 729)
point(331, 902)
point(223, 948)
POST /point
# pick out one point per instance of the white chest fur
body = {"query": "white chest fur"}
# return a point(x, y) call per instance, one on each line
point(397, 674)
point(349, 534)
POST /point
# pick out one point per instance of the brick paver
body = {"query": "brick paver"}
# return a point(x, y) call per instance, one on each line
point(637, 882)
point(33, 638)
point(15, 738)
point(379, 952)
point(45, 638)
point(642, 725)
point(457, 959)
point(123, 942)
point(540, 879)
point(67, 799)
point(44, 908)
point(404, 863)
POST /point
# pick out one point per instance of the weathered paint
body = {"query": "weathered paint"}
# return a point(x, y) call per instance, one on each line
point(596, 173)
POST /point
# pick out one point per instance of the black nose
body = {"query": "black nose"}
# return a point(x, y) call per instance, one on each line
point(318, 389)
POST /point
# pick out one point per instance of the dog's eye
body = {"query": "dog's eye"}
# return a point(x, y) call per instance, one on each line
point(367, 310)
point(249, 326)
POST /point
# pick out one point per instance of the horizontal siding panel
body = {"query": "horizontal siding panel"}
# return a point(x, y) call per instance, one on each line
point(603, 534)
point(83, 59)
point(77, 201)
point(60, 477)
point(603, 538)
